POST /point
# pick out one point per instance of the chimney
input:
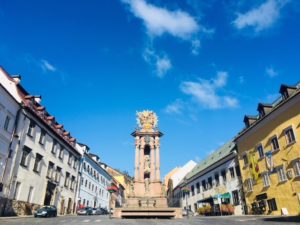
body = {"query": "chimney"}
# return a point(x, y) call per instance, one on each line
point(16, 78)
point(38, 99)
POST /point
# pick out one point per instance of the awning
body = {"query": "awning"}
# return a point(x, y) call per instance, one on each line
point(225, 195)
point(210, 199)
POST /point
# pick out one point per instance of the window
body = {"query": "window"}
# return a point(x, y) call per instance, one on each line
point(231, 170)
point(235, 197)
point(30, 194)
point(58, 174)
point(6, 123)
point(281, 174)
point(296, 167)
point(237, 171)
point(249, 185)
point(17, 190)
point(272, 204)
point(85, 183)
point(61, 153)
point(25, 156)
point(72, 183)
point(266, 179)
point(75, 164)
point(223, 174)
point(198, 187)
point(54, 147)
point(50, 169)
point(209, 183)
point(37, 164)
point(42, 137)
point(67, 179)
point(217, 179)
point(92, 187)
point(193, 190)
point(204, 185)
point(289, 133)
point(274, 143)
point(260, 151)
point(70, 158)
point(89, 185)
point(84, 166)
point(31, 128)
point(82, 181)
point(245, 158)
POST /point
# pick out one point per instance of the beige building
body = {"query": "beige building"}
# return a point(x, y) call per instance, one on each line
point(269, 155)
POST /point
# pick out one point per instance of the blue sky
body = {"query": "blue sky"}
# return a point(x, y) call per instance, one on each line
point(200, 65)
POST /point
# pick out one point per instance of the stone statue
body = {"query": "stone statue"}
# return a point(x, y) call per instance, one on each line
point(131, 188)
point(147, 163)
point(147, 183)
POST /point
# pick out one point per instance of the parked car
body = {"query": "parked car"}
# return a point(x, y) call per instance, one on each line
point(85, 211)
point(46, 211)
point(103, 211)
point(96, 211)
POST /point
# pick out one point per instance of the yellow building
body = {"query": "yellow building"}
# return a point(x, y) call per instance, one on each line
point(269, 156)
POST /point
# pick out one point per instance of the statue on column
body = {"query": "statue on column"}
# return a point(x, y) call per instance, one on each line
point(147, 163)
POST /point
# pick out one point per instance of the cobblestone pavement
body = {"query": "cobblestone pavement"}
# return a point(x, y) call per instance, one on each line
point(82, 220)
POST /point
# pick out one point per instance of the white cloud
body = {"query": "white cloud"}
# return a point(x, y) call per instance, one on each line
point(46, 66)
point(205, 92)
point(261, 17)
point(161, 63)
point(175, 107)
point(241, 79)
point(196, 47)
point(271, 72)
point(159, 21)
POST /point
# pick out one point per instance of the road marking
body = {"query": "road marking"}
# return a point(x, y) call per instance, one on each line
point(62, 221)
point(97, 220)
point(86, 221)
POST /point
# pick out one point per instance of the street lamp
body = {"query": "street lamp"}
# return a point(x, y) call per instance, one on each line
point(186, 191)
point(111, 189)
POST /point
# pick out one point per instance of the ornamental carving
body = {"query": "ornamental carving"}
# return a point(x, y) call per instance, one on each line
point(147, 120)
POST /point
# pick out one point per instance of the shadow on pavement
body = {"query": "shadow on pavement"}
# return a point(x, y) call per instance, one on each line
point(284, 219)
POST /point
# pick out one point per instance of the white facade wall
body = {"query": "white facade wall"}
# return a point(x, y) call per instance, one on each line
point(32, 185)
point(180, 174)
point(93, 186)
point(8, 112)
point(228, 186)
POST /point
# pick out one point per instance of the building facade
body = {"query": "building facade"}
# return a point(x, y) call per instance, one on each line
point(43, 161)
point(9, 108)
point(94, 181)
point(213, 182)
point(269, 155)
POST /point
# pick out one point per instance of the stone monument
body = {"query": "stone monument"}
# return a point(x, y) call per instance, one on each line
point(147, 197)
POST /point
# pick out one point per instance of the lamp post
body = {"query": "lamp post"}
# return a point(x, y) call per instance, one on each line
point(186, 191)
point(111, 189)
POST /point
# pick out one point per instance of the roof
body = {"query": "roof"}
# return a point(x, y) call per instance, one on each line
point(216, 156)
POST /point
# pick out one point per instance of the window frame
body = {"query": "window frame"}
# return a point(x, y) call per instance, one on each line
point(290, 128)
point(25, 161)
point(260, 150)
point(6, 123)
point(272, 143)
point(278, 169)
point(266, 179)
point(37, 163)
point(296, 167)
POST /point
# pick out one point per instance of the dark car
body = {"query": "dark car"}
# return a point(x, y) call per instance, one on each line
point(103, 211)
point(96, 211)
point(85, 211)
point(46, 211)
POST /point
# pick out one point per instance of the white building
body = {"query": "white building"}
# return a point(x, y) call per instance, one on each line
point(214, 181)
point(45, 162)
point(94, 181)
point(182, 172)
point(9, 108)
